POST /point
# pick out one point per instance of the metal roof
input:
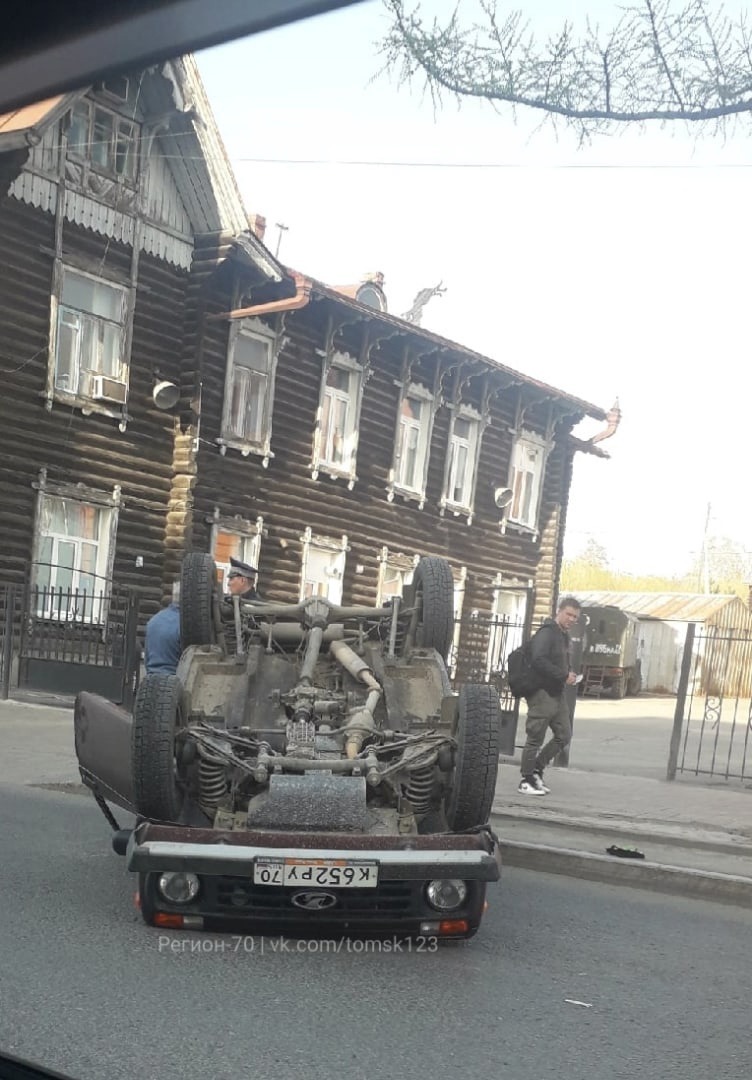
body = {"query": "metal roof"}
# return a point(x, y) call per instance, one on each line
point(678, 607)
point(326, 291)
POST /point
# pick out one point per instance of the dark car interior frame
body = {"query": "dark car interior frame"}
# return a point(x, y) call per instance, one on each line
point(49, 48)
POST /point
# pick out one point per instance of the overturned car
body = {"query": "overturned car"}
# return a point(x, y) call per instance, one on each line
point(308, 768)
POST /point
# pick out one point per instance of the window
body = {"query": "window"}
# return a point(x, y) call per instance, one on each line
point(507, 627)
point(90, 338)
point(108, 143)
point(72, 559)
point(412, 445)
point(528, 463)
point(323, 568)
point(249, 388)
point(337, 427)
point(227, 543)
point(412, 441)
point(395, 572)
point(335, 445)
point(464, 444)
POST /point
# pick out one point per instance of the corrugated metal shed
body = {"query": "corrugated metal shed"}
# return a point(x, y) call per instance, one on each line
point(675, 607)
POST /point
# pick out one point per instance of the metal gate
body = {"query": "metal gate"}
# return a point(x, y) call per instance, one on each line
point(79, 639)
point(712, 733)
point(483, 643)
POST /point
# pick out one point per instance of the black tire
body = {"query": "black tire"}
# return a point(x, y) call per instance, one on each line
point(619, 687)
point(156, 719)
point(198, 583)
point(635, 681)
point(433, 585)
point(478, 735)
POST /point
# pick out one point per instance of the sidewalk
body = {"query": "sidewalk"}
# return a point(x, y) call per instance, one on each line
point(681, 823)
point(700, 827)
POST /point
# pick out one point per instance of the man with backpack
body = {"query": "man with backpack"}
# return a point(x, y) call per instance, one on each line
point(547, 706)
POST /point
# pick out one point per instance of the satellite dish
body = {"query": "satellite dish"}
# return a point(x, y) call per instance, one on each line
point(165, 395)
point(503, 496)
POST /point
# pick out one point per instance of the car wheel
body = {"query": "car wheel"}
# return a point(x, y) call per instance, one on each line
point(198, 586)
point(433, 586)
point(157, 717)
point(478, 736)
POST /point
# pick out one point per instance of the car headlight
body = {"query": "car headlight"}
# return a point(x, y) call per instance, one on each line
point(178, 887)
point(447, 895)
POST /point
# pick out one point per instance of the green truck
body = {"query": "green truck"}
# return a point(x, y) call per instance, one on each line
point(610, 660)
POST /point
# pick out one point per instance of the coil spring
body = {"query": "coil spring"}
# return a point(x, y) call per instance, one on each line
point(212, 785)
point(419, 790)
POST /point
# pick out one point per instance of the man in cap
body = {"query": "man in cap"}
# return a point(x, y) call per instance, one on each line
point(241, 580)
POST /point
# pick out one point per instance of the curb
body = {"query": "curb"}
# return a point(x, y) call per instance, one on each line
point(643, 830)
point(655, 877)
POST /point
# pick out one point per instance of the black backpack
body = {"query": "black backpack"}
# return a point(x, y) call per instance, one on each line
point(521, 677)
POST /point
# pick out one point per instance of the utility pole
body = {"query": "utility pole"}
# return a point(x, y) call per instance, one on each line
point(282, 229)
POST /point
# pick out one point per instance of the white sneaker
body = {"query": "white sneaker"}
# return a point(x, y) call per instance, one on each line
point(540, 783)
point(526, 787)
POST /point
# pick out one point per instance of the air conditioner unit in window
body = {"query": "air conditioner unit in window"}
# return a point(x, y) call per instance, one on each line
point(105, 389)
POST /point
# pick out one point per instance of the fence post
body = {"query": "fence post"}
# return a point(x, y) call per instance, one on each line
point(130, 658)
point(7, 657)
point(681, 700)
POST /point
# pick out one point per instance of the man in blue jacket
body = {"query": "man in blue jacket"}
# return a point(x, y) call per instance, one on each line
point(548, 706)
point(162, 649)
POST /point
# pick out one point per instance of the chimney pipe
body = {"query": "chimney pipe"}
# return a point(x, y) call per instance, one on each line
point(257, 224)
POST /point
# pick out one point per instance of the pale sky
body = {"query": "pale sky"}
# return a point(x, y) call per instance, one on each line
point(617, 269)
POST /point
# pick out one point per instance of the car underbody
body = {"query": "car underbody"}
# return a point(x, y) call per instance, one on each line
point(308, 766)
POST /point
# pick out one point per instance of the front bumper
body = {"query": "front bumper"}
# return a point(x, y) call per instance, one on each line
point(229, 899)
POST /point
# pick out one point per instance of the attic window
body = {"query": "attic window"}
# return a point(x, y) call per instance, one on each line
point(108, 143)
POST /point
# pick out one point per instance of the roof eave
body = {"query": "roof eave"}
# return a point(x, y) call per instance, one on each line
point(585, 408)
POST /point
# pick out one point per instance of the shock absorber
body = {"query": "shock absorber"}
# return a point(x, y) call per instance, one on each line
point(212, 784)
point(419, 790)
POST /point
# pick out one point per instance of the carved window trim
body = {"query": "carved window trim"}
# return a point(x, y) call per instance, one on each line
point(319, 464)
point(420, 393)
point(246, 530)
point(338, 548)
point(86, 403)
point(397, 562)
point(527, 440)
point(447, 505)
point(274, 342)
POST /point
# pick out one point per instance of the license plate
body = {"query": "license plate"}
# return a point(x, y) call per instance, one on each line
point(334, 873)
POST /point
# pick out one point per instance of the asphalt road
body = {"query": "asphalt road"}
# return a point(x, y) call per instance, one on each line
point(86, 988)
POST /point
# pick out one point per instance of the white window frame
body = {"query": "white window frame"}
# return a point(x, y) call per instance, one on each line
point(54, 392)
point(347, 469)
point(505, 596)
point(119, 123)
point(259, 331)
point(336, 550)
point(395, 563)
point(462, 412)
point(249, 533)
point(526, 441)
point(417, 392)
point(108, 505)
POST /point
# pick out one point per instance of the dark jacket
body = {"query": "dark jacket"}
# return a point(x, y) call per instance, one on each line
point(162, 651)
point(550, 657)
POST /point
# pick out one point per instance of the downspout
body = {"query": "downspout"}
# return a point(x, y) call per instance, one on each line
point(304, 287)
point(613, 418)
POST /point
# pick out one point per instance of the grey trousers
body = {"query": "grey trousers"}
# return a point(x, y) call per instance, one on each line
point(544, 711)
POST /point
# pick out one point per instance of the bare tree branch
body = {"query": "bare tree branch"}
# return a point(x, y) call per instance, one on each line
point(660, 62)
